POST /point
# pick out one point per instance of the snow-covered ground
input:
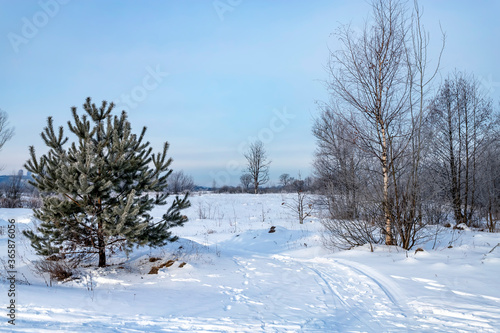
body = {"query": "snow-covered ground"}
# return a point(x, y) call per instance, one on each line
point(238, 277)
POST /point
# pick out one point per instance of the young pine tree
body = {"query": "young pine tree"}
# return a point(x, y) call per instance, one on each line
point(98, 191)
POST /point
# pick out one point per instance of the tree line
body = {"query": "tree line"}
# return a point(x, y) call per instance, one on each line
point(396, 150)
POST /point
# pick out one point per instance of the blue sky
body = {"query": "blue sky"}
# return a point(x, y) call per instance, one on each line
point(207, 76)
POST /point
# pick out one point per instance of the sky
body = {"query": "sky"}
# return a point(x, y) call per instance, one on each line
point(209, 77)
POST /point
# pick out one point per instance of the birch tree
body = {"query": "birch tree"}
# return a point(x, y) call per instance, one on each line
point(378, 84)
point(370, 86)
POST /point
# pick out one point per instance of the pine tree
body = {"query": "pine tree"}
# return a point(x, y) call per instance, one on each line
point(98, 192)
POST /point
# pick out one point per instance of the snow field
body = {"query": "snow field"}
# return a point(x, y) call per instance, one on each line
point(238, 277)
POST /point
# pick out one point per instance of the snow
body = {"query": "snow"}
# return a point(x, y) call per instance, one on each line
point(238, 277)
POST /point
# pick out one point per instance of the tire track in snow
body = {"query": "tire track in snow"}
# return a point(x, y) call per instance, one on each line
point(334, 294)
point(295, 295)
point(390, 288)
point(349, 309)
point(365, 297)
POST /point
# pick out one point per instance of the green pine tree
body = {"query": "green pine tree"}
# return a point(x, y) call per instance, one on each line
point(98, 192)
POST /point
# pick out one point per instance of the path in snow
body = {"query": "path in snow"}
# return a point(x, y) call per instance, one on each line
point(276, 293)
point(333, 295)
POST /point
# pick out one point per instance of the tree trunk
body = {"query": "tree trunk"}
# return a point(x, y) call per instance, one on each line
point(453, 170)
point(101, 245)
point(385, 172)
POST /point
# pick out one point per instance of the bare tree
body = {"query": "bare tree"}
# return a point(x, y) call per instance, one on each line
point(408, 199)
point(6, 132)
point(344, 172)
point(286, 180)
point(338, 165)
point(370, 84)
point(463, 123)
point(301, 205)
point(178, 182)
point(378, 82)
point(257, 164)
point(246, 180)
point(489, 190)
